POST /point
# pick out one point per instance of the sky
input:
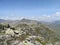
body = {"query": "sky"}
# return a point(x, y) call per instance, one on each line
point(42, 10)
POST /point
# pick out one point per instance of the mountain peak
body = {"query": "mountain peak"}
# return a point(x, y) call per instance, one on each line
point(25, 20)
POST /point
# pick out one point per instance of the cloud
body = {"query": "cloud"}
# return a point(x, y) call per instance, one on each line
point(52, 17)
point(45, 17)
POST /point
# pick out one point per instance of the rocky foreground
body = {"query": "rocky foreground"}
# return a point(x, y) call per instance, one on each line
point(28, 34)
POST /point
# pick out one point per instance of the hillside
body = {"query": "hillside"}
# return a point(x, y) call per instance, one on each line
point(55, 25)
point(27, 31)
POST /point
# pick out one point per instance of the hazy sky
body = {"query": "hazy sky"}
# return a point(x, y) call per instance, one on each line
point(31, 9)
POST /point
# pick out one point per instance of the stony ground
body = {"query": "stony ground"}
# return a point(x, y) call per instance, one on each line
point(24, 34)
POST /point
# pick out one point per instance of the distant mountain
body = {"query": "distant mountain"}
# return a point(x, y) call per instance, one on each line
point(57, 22)
point(29, 21)
point(15, 22)
point(55, 25)
point(2, 20)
